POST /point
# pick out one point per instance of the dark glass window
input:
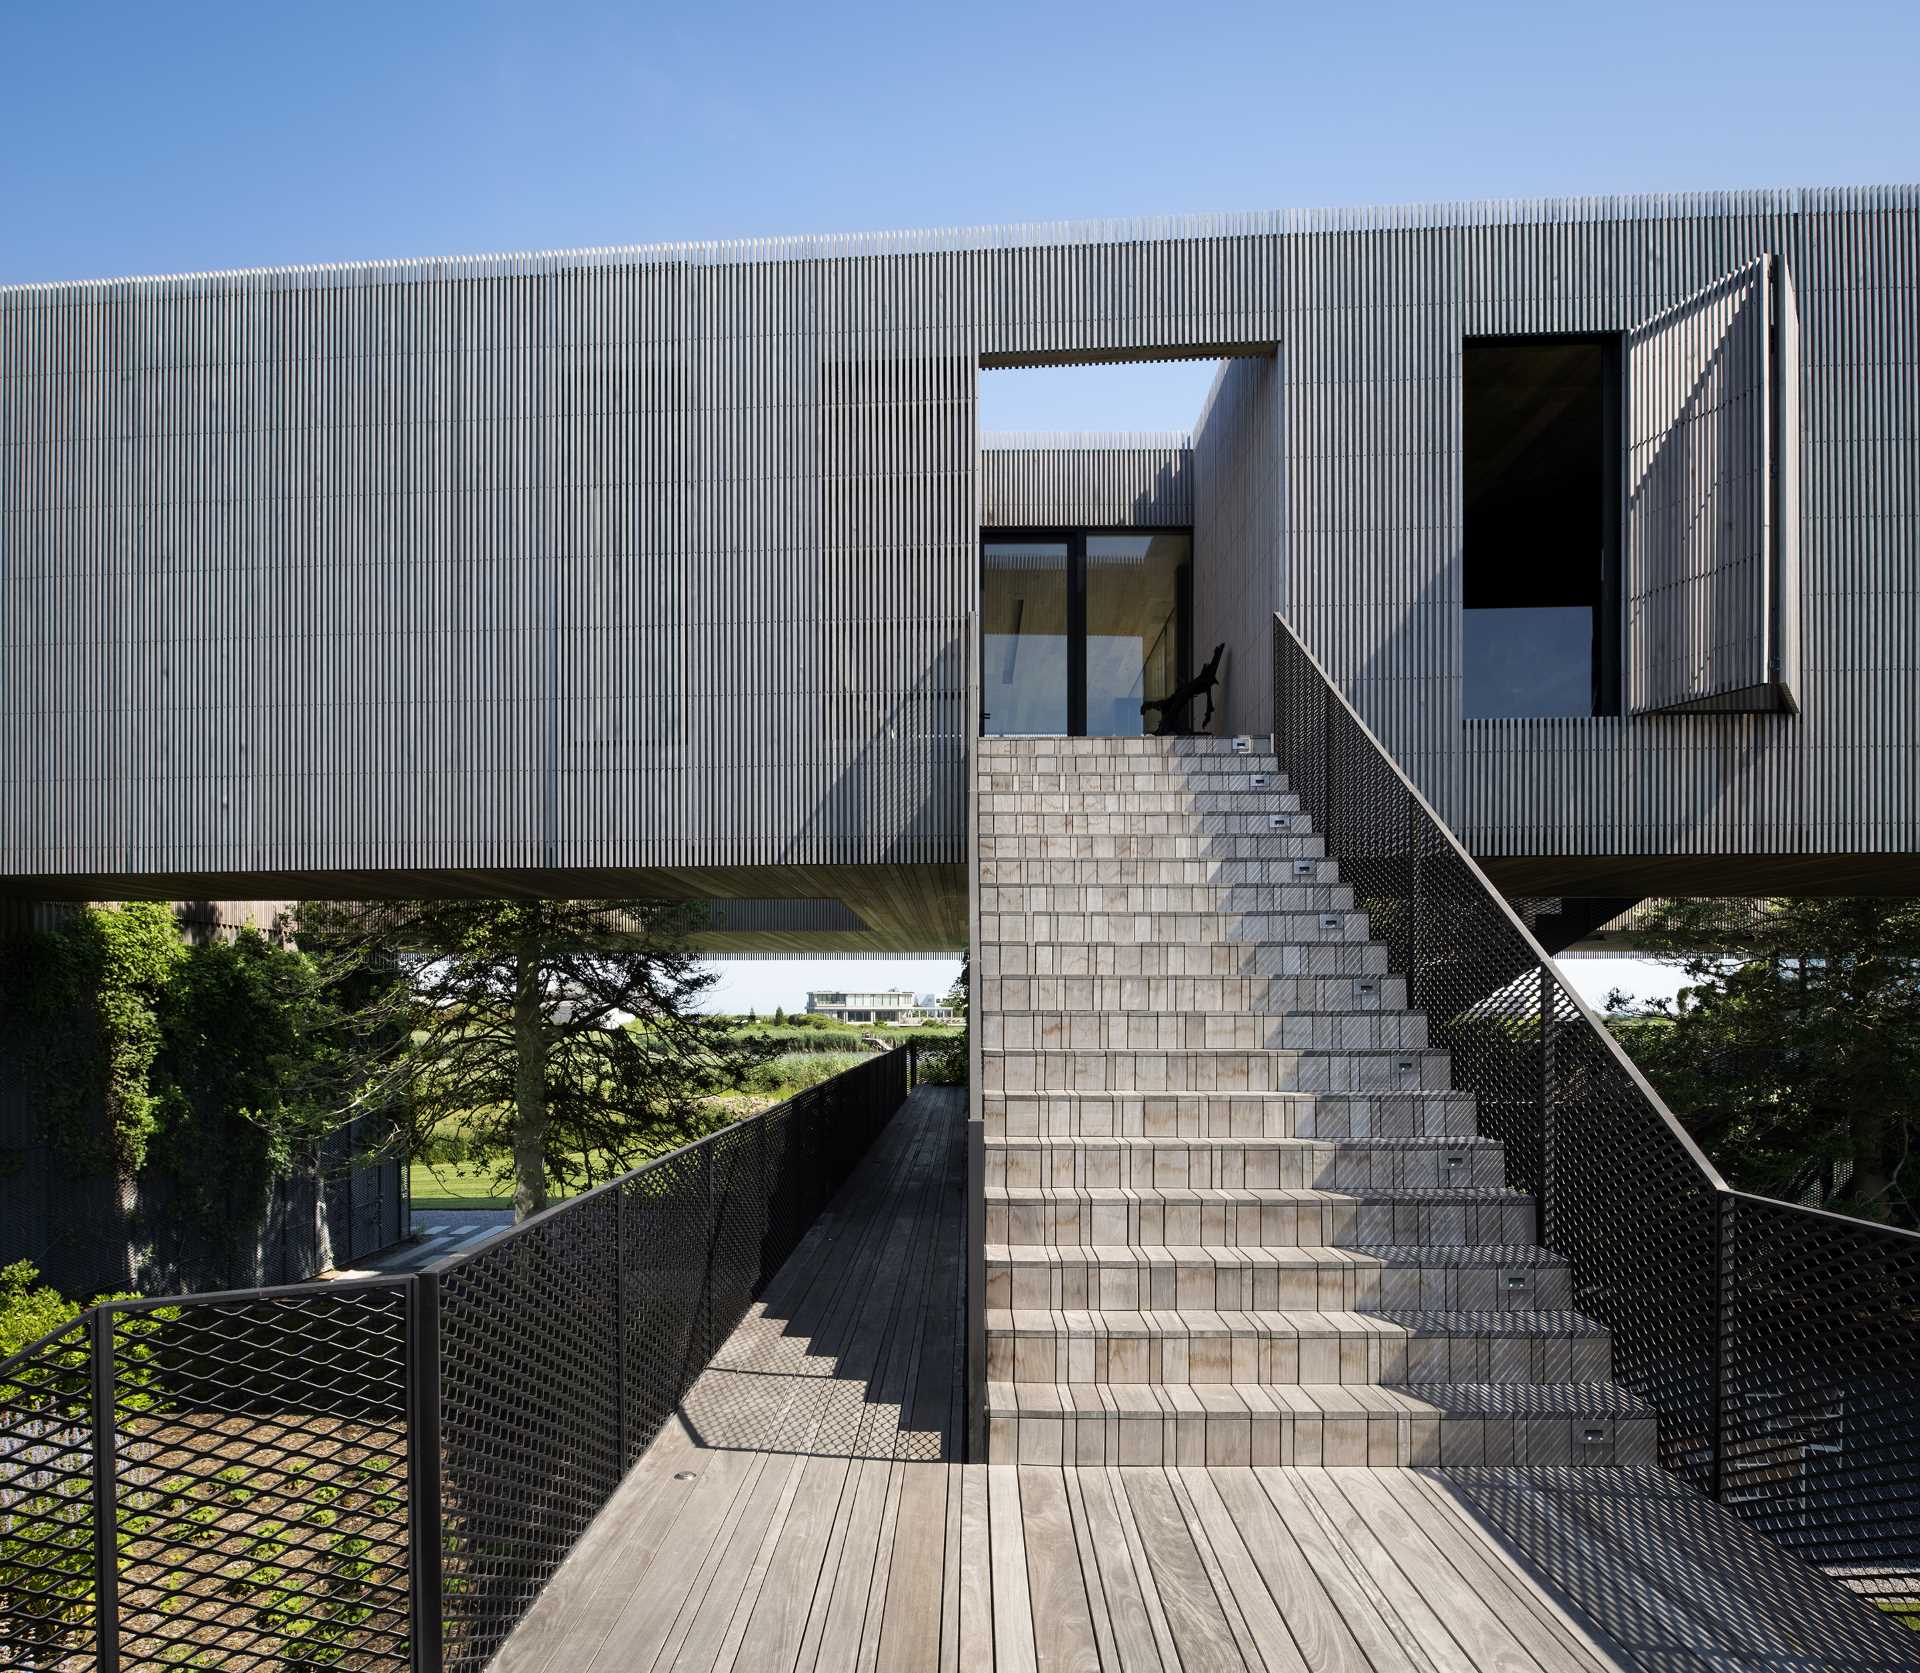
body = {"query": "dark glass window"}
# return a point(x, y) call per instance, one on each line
point(1541, 458)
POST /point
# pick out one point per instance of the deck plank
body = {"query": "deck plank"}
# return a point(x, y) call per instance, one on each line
point(910, 1626)
point(975, 1650)
point(1202, 1637)
point(1063, 1637)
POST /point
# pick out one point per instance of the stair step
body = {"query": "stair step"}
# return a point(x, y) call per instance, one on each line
point(1138, 821)
point(1212, 777)
point(1144, 1030)
point(1437, 1116)
point(1306, 898)
point(1273, 1220)
point(1030, 838)
point(1077, 1346)
point(1286, 930)
point(1227, 1070)
point(1201, 746)
point(1083, 871)
point(1134, 804)
point(1212, 1276)
point(1458, 1277)
point(1100, 1168)
point(1334, 1424)
point(1227, 959)
point(1168, 996)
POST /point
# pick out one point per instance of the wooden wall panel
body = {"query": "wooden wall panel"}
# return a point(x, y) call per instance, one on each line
point(1085, 480)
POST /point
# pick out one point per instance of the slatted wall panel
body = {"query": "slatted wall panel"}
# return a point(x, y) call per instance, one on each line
point(1238, 570)
point(1085, 480)
point(1699, 498)
point(660, 557)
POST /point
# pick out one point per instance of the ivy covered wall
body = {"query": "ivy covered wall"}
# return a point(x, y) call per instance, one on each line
point(163, 1110)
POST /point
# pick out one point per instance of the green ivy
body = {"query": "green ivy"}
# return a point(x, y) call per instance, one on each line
point(84, 1003)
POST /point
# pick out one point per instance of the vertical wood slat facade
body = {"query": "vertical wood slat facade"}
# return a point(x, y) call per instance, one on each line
point(1085, 480)
point(661, 558)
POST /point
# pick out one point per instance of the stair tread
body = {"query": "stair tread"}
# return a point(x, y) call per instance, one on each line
point(1208, 1253)
point(1191, 1321)
point(1429, 1195)
point(1266, 1141)
point(1290, 1254)
point(1588, 1399)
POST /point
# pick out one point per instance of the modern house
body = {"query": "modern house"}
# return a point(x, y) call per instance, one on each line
point(1330, 1286)
point(892, 1005)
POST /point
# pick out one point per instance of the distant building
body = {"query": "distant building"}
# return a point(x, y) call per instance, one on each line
point(894, 1005)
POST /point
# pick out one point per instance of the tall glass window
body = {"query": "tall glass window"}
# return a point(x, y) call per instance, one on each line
point(1134, 584)
point(1079, 628)
point(1024, 640)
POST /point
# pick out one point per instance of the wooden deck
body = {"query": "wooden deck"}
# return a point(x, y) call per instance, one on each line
point(806, 1512)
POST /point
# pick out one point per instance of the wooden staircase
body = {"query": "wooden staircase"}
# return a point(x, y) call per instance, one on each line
point(1235, 1212)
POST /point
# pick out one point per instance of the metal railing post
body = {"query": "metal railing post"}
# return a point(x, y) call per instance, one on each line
point(1416, 913)
point(1548, 1113)
point(424, 1576)
point(620, 1327)
point(106, 1514)
point(1723, 1235)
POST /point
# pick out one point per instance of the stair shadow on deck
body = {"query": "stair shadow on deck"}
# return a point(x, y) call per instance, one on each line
point(855, 1351)
point(1669, 1581)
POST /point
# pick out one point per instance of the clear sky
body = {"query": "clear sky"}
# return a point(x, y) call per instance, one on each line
point(141, 138)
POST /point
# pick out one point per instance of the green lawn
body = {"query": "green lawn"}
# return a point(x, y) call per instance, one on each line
point(449, 1185)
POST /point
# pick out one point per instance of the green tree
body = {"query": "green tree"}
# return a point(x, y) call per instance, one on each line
point(247, 1078)
point(779, 1016)
point(558, 1038)
point(1793, 1054)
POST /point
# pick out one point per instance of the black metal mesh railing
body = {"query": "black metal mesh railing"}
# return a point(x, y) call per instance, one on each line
point(565, 1343)
point(382, 1474)
point(1780, 1346)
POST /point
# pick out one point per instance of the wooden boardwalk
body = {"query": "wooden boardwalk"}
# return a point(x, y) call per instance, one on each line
point(806, 1512)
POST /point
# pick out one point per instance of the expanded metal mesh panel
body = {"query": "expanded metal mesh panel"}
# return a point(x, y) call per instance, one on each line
point(1780, 1347)
point(530, 1413)
point(1633, 1212)
point(1821, 1362)
point(567, 1344)
point(46, 1506)
point(260, 1482)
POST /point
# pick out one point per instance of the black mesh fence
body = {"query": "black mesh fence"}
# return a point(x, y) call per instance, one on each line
point(382, 1474)
point(1779, 1345)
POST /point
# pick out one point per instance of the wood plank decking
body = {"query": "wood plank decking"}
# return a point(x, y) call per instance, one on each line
point(806, 1512)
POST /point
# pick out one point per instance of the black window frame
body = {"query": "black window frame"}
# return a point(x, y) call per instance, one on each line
point(1075, 539)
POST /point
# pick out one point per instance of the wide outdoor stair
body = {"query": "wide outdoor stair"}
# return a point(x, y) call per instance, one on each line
point(1236, 1212)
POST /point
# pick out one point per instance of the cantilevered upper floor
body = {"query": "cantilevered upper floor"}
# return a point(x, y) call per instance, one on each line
point(654, 568)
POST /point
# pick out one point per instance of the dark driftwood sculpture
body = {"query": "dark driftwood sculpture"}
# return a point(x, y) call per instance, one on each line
point(1174, 704)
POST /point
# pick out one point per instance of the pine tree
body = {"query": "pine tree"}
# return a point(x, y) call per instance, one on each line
point(559, 1038)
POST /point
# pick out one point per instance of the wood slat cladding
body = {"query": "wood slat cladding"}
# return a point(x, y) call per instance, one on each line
point(1085, 480)
point(1703, 573)
point(1239, 483)
point(582, 563)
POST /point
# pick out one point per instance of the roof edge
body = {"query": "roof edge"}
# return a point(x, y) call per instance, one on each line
point(1014, 235)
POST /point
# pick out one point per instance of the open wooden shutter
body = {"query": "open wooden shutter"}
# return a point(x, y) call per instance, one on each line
point(1786, 486)
point(1703, 583)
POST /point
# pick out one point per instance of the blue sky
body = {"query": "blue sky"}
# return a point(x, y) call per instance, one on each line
point(142, 138)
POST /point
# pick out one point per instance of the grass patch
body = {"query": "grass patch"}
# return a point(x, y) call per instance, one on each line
point(452, 1182)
